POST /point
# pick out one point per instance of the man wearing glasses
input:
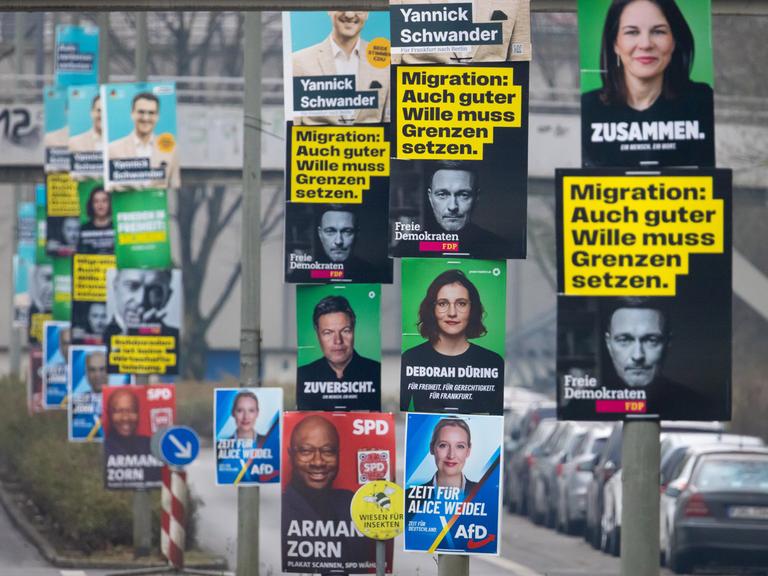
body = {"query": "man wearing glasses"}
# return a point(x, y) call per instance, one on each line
point(341, 377)
point(316, 521)
point(143, 143)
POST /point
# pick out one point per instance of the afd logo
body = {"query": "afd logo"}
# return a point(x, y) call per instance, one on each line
point(476, 534)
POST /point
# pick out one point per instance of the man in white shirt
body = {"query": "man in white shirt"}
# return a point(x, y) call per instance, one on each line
point(345, 53)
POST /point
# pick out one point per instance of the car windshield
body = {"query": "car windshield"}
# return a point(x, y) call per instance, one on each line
point(733, 474)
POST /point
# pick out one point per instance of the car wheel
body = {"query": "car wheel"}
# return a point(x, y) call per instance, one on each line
point(677, 560)
point(596, 536)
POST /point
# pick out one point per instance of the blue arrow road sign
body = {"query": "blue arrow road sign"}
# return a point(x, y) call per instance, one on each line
point(179, 445)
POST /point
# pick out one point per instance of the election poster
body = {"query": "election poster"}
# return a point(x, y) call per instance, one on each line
point(130, 415)
point(339, 243)
point(644, 312)
point(76, 58)
point(460, 32)
point(56, 135)
point(142, 232)
point(62, 289)
point(458, 185)
point(327, 456)
point(452, 484)
point(87, 379)
point(140, 137)
point(246, 434)
point(89, 297)
point(454, 316)
point(24, 261)
point(336, 66)
point(144, 311)
point(40, 300)
point(35, 380)
point(86, 140)
point(647, 104)
point(63, 215)
point(337, 371)
point(56, 341)
point(97, 235)
point(41, 216)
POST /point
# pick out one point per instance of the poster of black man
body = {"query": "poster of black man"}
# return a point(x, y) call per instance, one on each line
point(339, 243)
point(144, 311)
point(130, 415)
point(646, 83)
point(86, 139)
point(453, 484)
point(458, 183)
point(246, 435)
point(141, 229)
point(63, 214)
point(644, 312)
point(141, 142)
point(337, 371)
point(56, 341)
point(89, 297)
point(336, 66)
point(454, 318)
point(76, 60)
point(460, 32)
point(327, 456)
point(56, 130)
point(87, 380)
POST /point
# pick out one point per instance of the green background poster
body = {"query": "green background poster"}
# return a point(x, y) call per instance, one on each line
point(84, 188)
point(140, 218)
point(41, 218)
point(62, 288)
point(488, 276)
point(698, 14)
point(364, 299)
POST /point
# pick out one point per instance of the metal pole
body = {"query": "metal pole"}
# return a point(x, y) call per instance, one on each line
point(450, 565)
point(142, 46)
point(640, 509)
point(381, 557)
point(250, 304)
point(103, 21)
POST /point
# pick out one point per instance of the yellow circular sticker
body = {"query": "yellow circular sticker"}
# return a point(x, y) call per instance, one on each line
point(377, 509)
point(378, 53)
point(166, 142)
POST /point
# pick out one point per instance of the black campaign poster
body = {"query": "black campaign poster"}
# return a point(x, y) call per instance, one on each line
point(460, 161)
point(337, 197)
point(644, 314)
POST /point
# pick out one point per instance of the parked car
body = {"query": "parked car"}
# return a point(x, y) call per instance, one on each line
point(545, 471)
point(576, 474)
point(673, 448)
point(523, 460)
point(718, 503)
point(518, 436)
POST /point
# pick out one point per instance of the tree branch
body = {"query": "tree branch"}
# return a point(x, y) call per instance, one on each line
point(223, 297)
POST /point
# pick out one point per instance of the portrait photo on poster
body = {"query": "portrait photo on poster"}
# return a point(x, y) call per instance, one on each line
point(460, 32)
point(56, 129)
point(646, 83)
point(462, 208)
point(131, 414)
point(453, 470)
point(644, 357)
point(97, 236)
point(336, 66)
point(453, 335)
point(327, 456)
point(57, 337)
point(335, 370)
point(140, 140)
point(247, 435)
point(86, 138)
point(145, 305)
point(327, 243)
point(63, 234)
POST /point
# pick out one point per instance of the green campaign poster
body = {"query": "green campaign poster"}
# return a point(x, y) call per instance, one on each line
point(62, 288)
point(140, 218)
point(41, 218)
point(453, 341)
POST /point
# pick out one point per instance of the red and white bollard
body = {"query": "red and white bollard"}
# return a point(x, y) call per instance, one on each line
point(173, 500)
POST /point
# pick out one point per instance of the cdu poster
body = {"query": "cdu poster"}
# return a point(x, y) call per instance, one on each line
point(76, 58)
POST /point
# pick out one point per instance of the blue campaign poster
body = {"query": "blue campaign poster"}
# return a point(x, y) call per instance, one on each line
point(246, 428)
point(452, 483)
point(76, 60)
point(56, 338)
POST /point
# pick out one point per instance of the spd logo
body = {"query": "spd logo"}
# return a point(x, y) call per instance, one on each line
point(372, 465)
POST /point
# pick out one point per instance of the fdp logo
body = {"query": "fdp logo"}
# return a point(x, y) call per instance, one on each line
point(372, 465)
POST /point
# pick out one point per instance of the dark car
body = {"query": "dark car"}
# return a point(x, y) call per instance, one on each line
point(720, 507)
